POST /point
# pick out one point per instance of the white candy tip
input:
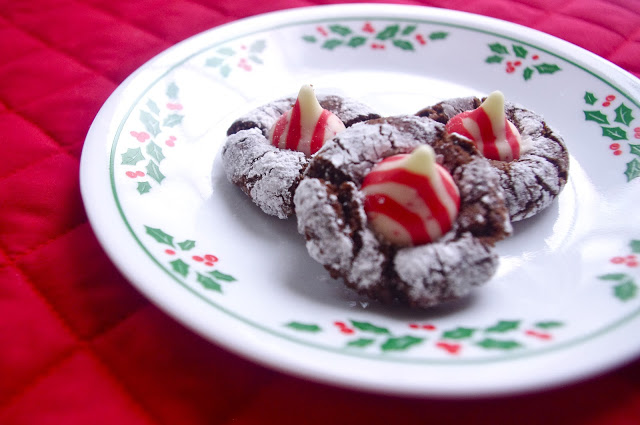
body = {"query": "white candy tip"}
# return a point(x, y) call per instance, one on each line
point(421, 161)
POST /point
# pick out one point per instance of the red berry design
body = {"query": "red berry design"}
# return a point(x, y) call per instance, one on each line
point(170, 251)
point(637, 135)
point(420, 39)
point(131, 174)
point(605, 104)
point(142, 136)
point(429, 327)
point(377, 46)
point(449, 347)
point(368, 28)
point(244, 64)
point(322, 31)
point(617, 153)
point(535, 57)
point(198, 258)
point(617, 260)
point(539, 335)
point(211, 258)
point(517, 63)
point(414, 326)
point(633, 263)
point(344, 328)
point(174, 106)
point(611, 98)
point(614, 146)
point(140, 173)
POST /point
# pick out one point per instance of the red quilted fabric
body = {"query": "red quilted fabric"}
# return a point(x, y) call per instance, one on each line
point(79, 345)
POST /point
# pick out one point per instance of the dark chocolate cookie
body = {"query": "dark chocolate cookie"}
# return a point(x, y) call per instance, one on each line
point(330, 213)
point(533, 181)
point(267, 174)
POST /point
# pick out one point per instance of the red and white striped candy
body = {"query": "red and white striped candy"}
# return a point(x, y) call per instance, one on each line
point(306, 126)
point(410, 199)
point(488, 127)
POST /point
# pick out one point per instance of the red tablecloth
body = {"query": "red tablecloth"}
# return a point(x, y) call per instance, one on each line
point(79, 345)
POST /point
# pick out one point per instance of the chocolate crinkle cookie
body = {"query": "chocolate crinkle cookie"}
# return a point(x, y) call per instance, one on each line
point(533, 181)
point(267, 174)
point(331, 215)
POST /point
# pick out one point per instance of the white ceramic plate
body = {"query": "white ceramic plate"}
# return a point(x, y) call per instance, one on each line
point(564, 304)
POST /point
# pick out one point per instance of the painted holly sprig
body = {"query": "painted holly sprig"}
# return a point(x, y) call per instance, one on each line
point(403, 37)
point(518, 57)
point(187, 265)
point(157, 122)
point(615, 118)
point(243, 57)
point(625, 288)
point(504, 335)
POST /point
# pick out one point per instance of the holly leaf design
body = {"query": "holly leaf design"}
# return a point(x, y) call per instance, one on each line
point(153, 107)
point(499, 48)
point(504, 326)
point(309, 38)
point(357, 41)
point(549, 325)
point(340, 29)
point(615, 133)
point(368, 327)
point(527, 73)
point(438, 35)
point(590, 98)
point(187, 245)
point(172, 90)
point(159, 235)
point(150, 123)
point(401, 343)
point(214, 62)
point(635, 246)
point(225, 70)
point(172, 120)
point(403, 44)
point(623, 114)
point(155, 152)
point(143, 187)
point(221, 276)
point(408, 30)
point(547, 68)
point(633, 169)
point(613, 276)
point(596, 116)
point(388, 32)
point(494, 59)
point(154, 172)
point(180, 267)
point(132, 156)
point(634, 149)
point(361, 342)
point(209, 283)
point(626, 290)
point(305, 327)
point(495, 344)
point(459, 333)
point(258, 46)
point(226, 51)
point(520, 51)
point(255, 59)
point(331, 44)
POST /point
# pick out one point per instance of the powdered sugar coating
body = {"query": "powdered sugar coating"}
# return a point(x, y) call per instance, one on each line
point(532, 182)
point(330, 212)
point(268, 175)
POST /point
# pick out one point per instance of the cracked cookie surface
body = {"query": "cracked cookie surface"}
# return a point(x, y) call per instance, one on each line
point(267, 174)
point(331, 215)
point(533, 181)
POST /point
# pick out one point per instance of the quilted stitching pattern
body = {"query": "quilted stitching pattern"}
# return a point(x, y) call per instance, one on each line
point(78, 345)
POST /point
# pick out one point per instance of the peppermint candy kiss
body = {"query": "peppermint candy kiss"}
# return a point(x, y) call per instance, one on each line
point(410, 199)
point(487, 126)
point(306, 126)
